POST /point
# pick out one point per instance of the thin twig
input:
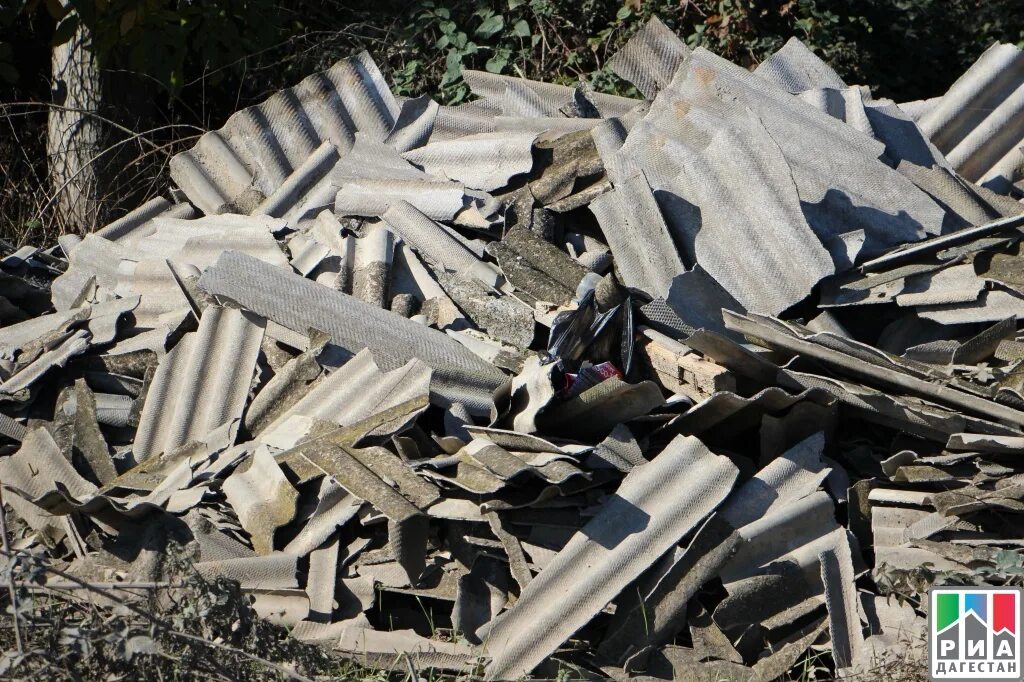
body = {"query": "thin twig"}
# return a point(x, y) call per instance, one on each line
point(10, 585)
point(156, 622)
point(87, 112)
point(132, 138)
point(70, 586)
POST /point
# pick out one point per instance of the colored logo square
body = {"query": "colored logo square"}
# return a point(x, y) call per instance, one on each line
point(974, 633)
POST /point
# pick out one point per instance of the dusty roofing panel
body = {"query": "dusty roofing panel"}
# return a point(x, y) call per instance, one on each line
point(259, 147)
point(202, 383)
point(262, 497)
point(300, 304)
point(956, 284)
point(555, 97)
point(139, 223)
point(644, 519)
point(441, 245)
point(645, 255)
point(200, 242)
point(438, 199)
point(884, 373)
point(763, 269)
point(796, 69)
point(650, 58)
point(991, 306)
point(161, 298)
point(838, 176)
point(355, 391)
point(486, 161)
point(665, 593)
point(93, 263)
point(976, 124)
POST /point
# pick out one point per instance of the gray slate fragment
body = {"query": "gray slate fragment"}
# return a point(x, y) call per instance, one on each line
point(301, 304)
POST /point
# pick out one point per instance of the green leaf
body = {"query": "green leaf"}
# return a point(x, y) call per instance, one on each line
point(453, 66)
point(496, 63)
point(512, 4)
point(625, 12)
point(65, 30)
point(490, 26)
point(459, 95)
point(521, 28)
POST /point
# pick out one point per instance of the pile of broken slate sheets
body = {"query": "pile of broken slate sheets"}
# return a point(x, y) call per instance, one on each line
point(692, 384)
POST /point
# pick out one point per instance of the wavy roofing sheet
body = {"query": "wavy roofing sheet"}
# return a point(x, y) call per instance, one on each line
point(762, 267)
point(439, 244)
point(33, 472)
point(979, 123)
point(955, 284)
point(254, 154)
point(650, 58)
point(92, 264)
point(704, 120)
point(492, 87)
point(663, 595)
point(484, 161)
point(139, 223)
point(645, 256)
point(203, 383)
point(200, 242)
point(795, 68)
point(162, 302)
point(991, 306)
point(438, 199)
point(869, 364)
point(301, 304)
point(357, 390)
point(656, 505)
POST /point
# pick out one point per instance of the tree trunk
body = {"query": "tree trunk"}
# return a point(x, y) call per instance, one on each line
point(74, 136)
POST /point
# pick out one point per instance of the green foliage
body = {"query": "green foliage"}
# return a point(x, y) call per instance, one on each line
point(894, 45)
point(905, 48)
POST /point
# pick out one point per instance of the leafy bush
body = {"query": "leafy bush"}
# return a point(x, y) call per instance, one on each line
point(905, 48)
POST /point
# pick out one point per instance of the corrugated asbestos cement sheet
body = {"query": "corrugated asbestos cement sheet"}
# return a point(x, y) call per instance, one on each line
point(796, 69)
point(492, 86)
point(807, 170)
point(357, 390)
point(202, 384)
point(301, 304)
point(244, 162)
point(979, 123)
point(650, 58)
point(645, 256)
point(656, 505)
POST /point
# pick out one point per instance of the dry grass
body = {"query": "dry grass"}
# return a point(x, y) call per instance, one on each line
point(132, 166)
